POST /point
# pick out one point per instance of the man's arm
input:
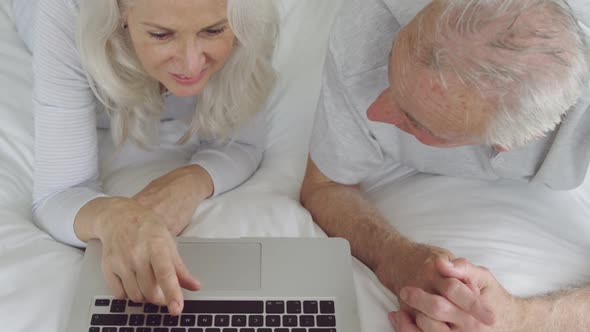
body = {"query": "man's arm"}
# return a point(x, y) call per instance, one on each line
point(566, 310)
point(341, 211)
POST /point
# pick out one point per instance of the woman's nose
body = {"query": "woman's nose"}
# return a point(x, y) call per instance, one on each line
point(194, 58)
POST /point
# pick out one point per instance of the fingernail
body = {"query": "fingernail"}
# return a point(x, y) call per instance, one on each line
point(174, 307)
point(404, 294)
point(392, 316)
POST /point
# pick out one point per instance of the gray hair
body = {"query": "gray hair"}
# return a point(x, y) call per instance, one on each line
point(535, 72)
point(133, 99)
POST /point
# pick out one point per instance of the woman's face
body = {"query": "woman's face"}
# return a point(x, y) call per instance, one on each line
point(181, 43)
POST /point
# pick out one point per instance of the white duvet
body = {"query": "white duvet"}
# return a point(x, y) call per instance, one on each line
point(533, 239)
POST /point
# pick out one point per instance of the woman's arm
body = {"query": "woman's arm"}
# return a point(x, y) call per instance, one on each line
point(214, 169)
point(234, 162)
point(66, 170)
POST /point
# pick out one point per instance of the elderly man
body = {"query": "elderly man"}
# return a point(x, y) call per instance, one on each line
point(485, 89)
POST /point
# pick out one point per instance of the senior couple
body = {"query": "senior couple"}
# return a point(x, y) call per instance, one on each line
point(463, 84)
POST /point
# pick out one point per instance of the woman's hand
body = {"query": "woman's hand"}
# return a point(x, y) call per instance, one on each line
point(140, 260)
point(176, 195)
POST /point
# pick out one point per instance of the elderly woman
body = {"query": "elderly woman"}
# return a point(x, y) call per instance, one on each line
point(184, 75)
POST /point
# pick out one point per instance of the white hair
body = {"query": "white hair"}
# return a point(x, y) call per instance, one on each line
point(133, 99)
point(534, 70)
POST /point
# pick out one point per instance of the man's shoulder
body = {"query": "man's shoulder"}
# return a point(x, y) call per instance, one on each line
point(362, 37)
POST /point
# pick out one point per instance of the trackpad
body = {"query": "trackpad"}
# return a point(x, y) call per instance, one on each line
point(224, 266)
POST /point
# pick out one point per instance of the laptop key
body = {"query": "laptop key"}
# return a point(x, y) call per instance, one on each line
point(118, 305)
point(188, 320)
point(137, 320)
point(326, 321)
point(247, 330)
point(109, 320)
point(223, 307)
point(161, 329)
point(327, 307)
point(293, 307)
point(195, 330)
point(239, 320)
point(143, 329)
point(134, 304)
point(275, 307)
point(230, 329)
point(102, 302)
point(154, 320)
point(290, 321)
point(94, 329)
point(256, 321)
point(221, 320)
point(307, 321)
point(322, 330)
point(149, 308)
point(273, 320)
point(310, 307)
point(170, 320)
point(109, 329)
point(205, 320)
point(281, 330)
point(178, 329)
point(126, 329)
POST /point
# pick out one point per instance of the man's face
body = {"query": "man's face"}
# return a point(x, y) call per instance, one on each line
point(415, 102)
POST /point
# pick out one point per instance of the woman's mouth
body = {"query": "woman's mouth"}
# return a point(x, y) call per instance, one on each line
point(186, 80)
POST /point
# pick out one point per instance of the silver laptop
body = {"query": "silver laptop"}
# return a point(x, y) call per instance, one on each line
point(249, 285)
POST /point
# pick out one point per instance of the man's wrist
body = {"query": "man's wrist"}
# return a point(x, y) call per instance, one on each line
point(391, 252)
point(532, 314)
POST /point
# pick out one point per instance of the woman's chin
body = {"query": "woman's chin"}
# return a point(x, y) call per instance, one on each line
point(183, 91)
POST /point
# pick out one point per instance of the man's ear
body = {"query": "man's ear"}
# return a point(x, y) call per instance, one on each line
point(501, 148)
point(382, 108)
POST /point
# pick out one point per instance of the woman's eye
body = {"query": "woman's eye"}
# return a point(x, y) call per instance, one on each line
point(159, 36)
point(214, 32)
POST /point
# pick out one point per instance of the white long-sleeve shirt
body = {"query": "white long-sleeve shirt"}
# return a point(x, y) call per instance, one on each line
point(65, 108)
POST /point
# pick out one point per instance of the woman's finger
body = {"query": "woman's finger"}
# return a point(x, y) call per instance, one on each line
point(148, 285)
point(185, 277)
point(113, 280)
point(165, 272)
point(129, 280)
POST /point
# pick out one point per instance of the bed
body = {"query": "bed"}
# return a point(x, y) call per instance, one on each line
point(534, 240)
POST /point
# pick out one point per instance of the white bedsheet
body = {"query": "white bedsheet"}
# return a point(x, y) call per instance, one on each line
point(533, 239)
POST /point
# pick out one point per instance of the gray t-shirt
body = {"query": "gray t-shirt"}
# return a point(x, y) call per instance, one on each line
point(350, 149)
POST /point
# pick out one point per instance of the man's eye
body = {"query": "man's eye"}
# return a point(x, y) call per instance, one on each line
point(159, 36)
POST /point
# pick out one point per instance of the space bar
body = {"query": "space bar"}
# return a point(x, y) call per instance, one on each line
point(223, 307)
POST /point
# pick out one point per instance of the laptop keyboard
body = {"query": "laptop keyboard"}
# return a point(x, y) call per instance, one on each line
point(110, 315)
